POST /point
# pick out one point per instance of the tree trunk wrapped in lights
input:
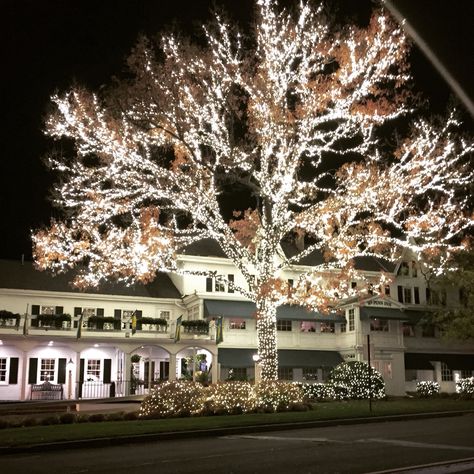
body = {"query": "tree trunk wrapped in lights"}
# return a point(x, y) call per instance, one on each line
point(156, 152)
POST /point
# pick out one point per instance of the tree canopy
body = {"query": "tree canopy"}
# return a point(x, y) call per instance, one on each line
point(275, 114)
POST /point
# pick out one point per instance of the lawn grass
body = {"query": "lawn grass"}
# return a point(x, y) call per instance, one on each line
point(322, 411)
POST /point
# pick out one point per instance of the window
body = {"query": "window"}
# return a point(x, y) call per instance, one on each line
point(48, 310)
point(193, 313)
point(380, 325)
point(47, 370)
point(3, 369)
point(209, 284)
point(351, 320)
point(237, 323)
point(283, 325)
point(416, 291)
point(404, 269)
point(230, 278)
point(310, 373)
point(446, 373)
point(93, 370)
point(343, 327)
point(408, 329)
point(285, 373)
point(414, 270)
point(465, 374)
point(387, 290)
point(167, 315)
point(327, 327)
point(219, 286)
point(407, 295)
point(353, 284)
point(307, 326)
point(237, 373)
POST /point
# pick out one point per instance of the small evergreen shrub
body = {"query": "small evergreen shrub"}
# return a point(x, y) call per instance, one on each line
point(95, 417)
point(131, 415)
point(275, 395)
point(465, 388)
point(119, 416)
point(173, 398)
point(50, 420)
point(83, 418)
point(29, 422)
point(317, 391)
point(350, 380)
point(232, 397)
point(67, 418)
point(427, 388)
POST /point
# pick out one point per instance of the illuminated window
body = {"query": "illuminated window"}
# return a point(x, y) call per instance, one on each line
point(167, 315)
point(377, 324)
point(285, 373)
point(446, 373)
point(93, 370)
point(408, 329)
point(237, 323)
point(343, 326)
point(327, 327)
point(307, 326)
point(283, 325)
point(47, 370)
point(48, 309)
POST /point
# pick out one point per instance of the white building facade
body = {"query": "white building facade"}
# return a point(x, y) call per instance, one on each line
point(119, 341)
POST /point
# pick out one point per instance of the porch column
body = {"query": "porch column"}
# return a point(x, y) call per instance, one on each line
point(172, 374)
point(214, 369)
point(24, 376)
point(127, 376)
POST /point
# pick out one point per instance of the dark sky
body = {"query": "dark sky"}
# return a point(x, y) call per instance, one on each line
point(49, 44)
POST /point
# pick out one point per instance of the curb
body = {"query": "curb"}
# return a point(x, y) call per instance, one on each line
point(172, 435)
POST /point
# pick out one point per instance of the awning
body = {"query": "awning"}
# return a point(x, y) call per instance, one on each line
point(247, 309)
point(368, 312)
point(286, 358)
point(423, 361)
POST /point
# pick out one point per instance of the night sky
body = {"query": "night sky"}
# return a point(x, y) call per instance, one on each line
point(48, 45)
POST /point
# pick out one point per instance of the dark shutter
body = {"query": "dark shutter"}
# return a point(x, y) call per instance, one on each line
point(100, 312)
point(117, 313)
point(81, 370)
point(13, 375)
point(33, 370)
point(62, 371)
point(59, 310)
point(107, 370)
point(209, 284)
point(428, 296)
point(35, 309)
point(139, 315)
point(400, 293)
point(417, 295)
point(77, 312)
point(230, 277)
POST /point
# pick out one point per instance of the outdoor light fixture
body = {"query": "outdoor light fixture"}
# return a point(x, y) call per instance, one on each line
point(50, 343)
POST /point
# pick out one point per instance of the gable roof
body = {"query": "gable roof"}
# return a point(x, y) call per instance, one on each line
point(15, 275)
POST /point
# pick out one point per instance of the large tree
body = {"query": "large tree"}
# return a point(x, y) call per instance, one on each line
point(275, 113)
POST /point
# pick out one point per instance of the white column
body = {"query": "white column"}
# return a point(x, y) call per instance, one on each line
point(172, 368)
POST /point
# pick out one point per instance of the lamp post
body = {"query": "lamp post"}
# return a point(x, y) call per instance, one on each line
point(70, 366)
point(257, 368)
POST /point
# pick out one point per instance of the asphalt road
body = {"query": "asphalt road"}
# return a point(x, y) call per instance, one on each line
point(351, 449)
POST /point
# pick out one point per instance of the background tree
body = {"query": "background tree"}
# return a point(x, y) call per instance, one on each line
point(275, 113)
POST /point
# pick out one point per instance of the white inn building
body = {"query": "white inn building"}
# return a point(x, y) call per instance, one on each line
point(118, 340)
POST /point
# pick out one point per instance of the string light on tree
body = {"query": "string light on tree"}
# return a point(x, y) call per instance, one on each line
point(155, 153)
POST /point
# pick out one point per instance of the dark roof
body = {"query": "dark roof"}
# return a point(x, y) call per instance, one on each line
point(15, 275)
point(204, 248)
point(422, 361)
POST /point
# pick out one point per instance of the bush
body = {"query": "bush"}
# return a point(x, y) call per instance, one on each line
point(50, 420)
point(427, 388)
point(275, 395)
point(317, 391)
point(173, 398)
point(465, 388)
point(350, 380)
point(118, 416)
point(29, 422)
point(67, 418)
point(230, 397)
point(131, 415)
point(83, 418)
point(95, 417)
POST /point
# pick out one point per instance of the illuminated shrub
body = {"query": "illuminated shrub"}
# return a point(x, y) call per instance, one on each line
point(317, 391)
point(173, 398)
point(278, 396)
point(465, 387)
point(427, 388)
point(230, 397)
point(350, 380)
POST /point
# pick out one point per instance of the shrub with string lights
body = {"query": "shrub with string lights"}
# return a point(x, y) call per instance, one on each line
point(173, 398)
point(275, 395)
point(465, 387)
point(233, 397)
point(427, 388)
point(317, 391)
point(351, 380)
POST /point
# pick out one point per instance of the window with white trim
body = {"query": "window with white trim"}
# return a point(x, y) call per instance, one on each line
point(446, 373)
point(343, 326)
point(351, 315)
point(167, 314)
point(237, 323)
point(380, 325)
point(48, 310)
point(47, 370)
point(310, 373)
point(283, 325)
point(193, 313)
point(327, 327)
point(3, 369)
point(93, 370)
point(307, 326)
point(408, 329)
